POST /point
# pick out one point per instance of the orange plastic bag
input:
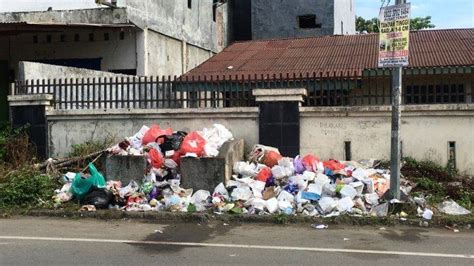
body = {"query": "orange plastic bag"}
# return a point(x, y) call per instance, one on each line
point(193, 143)
point(156, 158)
point(264, 174)
point(154, 132)
point(271, 158)
point(310, 162)
point(334, 165)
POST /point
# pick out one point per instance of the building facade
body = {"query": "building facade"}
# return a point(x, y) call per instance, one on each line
point(134, 37)
point(270, 19)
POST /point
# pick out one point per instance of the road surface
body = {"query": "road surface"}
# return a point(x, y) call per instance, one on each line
point(48, 241)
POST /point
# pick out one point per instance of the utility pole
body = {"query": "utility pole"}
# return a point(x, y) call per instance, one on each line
point(395, 136)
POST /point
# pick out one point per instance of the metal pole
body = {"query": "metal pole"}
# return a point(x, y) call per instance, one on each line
point(395, 137)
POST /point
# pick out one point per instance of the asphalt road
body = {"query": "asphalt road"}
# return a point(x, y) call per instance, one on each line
point(46, 241)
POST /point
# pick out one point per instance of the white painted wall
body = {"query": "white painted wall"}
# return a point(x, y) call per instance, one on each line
point(425, 133)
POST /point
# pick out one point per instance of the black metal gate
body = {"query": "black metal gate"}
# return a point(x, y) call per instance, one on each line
point(279, 126)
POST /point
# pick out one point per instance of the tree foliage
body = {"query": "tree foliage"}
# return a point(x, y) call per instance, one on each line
point(372, 25)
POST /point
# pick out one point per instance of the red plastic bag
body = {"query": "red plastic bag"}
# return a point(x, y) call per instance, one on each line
point(334, 165)
point(176, 157)
point(271, 158)
point(264, 174)
point(156, 158)
point(193, 143)
point(310, 162)
point(154, 132)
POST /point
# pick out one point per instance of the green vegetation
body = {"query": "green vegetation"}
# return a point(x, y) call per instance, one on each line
point(438, 182)
point(26, 187)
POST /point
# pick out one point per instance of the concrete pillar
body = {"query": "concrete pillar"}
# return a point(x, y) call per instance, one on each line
point(142, 52)
point(279, 118)
point(31, 110)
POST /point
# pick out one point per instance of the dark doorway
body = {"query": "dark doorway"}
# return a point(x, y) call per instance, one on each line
point(4, 73)
point(279, 126)
point(88, 63)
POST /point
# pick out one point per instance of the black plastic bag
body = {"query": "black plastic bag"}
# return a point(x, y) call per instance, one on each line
point(171, 142)
point(99, 197)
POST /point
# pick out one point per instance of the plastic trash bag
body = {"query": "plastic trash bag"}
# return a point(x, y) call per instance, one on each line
point(299, 180)
point(310, 162)
point(345, 204)
point(452, 208)
point(380, 210)
point(136, 140)
point(241, 193)
point(99, 197)
point(358, 186)
point(221, 190)
point(272, 205)
point(171, 142)
point(298, 165)
point(334, 165)
point(257, 188)
point(372, 198)
point(264, 174)
point(271, 158)
point(81, 185)
point(427, 214)
point(193, 143)
point(327, 204)
point(348, 191)
point(155, 158)
point(131, 188)
point(154, 132)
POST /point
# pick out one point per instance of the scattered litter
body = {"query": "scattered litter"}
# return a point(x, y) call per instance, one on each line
point(87, 208)
point(346, 239)
point(268, 183)
point(427, 214)
point(319, 226)
point(452, 208)
point(225, 224)
point(159, 231)
point(455, 230)
point(382, 228)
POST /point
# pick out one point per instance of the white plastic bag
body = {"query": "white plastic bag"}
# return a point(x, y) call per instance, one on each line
point(327, 204)
point(241, 193)
point(272, 205)
point(348, 191)
point(452, 208)
point(345, 204)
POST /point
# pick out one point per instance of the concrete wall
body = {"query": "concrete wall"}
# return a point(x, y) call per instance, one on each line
point(169, 56)
point(425, 132)
point(115, 53)
point(344, 17)
point(92, 16)
point(173, 18)
point(34, 71)
point(426, 129)
point(71, 127)
point(273, 19)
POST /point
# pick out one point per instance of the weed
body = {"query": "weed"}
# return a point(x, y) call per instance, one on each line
point(26, 187)
point(281, 218)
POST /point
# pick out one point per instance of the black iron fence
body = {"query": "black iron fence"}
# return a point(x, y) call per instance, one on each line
point(373, 87)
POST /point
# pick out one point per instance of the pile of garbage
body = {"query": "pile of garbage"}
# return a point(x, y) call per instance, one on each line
point(267, 183)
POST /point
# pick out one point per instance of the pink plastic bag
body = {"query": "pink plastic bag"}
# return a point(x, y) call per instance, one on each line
point(154, 132)
point(310, 162)
point(193, 143)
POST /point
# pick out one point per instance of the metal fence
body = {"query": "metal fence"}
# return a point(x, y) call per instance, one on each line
point(421, 86)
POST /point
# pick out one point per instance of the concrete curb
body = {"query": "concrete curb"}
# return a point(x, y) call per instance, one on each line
point(243, 218)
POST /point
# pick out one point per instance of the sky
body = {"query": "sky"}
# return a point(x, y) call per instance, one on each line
point(445, 13)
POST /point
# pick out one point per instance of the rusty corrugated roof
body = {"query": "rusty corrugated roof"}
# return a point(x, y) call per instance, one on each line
point(334, 54)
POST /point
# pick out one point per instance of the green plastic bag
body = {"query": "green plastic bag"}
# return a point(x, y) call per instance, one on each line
point(80, 186)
